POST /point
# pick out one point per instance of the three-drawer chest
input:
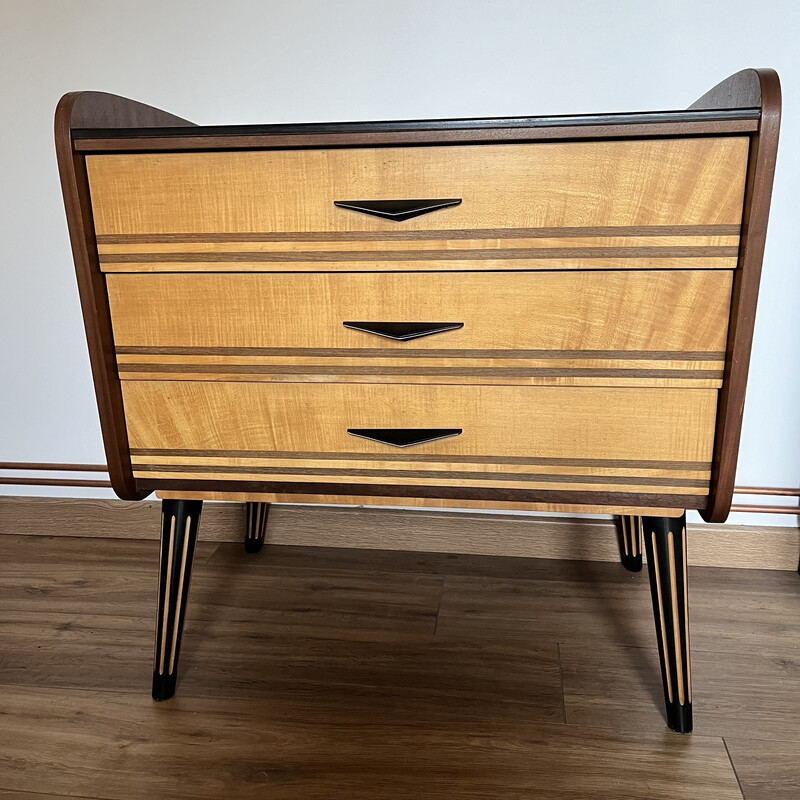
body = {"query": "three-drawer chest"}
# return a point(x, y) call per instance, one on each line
point(538, 313)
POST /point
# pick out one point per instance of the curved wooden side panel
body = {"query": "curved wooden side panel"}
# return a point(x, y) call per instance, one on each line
point(740, 90)
point(82, 110)
point(759, 88)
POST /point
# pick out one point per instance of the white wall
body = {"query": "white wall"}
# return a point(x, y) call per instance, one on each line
point(256, 61)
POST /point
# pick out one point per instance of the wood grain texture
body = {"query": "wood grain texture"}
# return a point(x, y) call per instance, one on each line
point(407, 500)
point(693, 163)
point(639, 247)
point(606, 687)
point(654, 183)
point(310, 746)
point(552, 477)
point(252, 418)
point(305, 687)
point(374, 529)
point(738, 91)
point(653, 328)
point(743, 88)
point(766, 770)
point(732, 613)
point(82, 109)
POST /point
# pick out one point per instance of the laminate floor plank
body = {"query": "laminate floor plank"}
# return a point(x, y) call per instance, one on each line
point(257, 660)
point(767, 770)
point(126, 745)
point(756, 614)
point(327, 673)
point(734, 693)
point(18, 549)
point(348, 599)
point(370, 600)
point(283, 557)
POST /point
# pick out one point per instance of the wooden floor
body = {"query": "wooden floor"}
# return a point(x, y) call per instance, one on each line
point(313, 673)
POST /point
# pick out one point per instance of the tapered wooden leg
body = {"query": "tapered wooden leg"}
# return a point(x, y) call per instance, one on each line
point(255, 526)
point(665, 545)
point(630, 542)
point(179, 523)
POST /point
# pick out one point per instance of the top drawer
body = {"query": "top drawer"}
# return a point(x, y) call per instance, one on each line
point(648, 204)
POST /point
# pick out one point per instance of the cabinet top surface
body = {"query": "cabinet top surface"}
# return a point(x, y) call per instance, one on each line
point(640, 118)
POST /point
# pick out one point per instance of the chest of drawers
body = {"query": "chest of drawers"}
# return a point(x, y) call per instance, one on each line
point(537, 313)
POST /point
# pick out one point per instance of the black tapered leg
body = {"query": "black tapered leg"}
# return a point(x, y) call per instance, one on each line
point(665, 545)
point(179, 523)
point(255, 526)
point(630, 542)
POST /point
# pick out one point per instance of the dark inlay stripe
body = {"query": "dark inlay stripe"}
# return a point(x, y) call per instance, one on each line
point(351, 456)
point(439, 235)
point(402, 351)
point(477, 372)
point(497, 494)
point(430, 474)
point(516, 254)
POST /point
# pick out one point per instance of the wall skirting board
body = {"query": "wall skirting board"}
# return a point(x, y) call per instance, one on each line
point(588, 539)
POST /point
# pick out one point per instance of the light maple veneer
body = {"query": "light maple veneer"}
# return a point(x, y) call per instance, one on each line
point(642, 204)
point(555, 328)
point(656, 441)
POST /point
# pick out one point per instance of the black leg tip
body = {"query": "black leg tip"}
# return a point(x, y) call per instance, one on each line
point(679, 718)
point(632, 563)
point(164, 685)
point(252, 545)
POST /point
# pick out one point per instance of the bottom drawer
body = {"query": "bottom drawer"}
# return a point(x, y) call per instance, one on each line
point(587, 439)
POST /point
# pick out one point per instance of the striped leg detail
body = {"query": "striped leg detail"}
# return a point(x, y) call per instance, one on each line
point(255, 526)
point(665, 544)
point(630, 530)
point(179, 524)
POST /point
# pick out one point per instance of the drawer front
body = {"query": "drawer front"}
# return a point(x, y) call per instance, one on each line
point(646, 204)
point(660, 328)
point(577, 439)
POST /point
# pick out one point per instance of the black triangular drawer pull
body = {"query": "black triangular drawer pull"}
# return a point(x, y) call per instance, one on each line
point(404, 437)
point(403, 331)
point(396, 210)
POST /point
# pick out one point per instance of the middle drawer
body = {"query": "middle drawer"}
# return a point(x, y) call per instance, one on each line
point(648, 328)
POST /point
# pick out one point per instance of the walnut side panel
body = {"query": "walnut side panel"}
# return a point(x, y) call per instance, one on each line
point(749, 87)
point(82, 109)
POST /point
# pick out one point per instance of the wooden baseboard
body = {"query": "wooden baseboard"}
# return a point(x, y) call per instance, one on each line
point(743, 546)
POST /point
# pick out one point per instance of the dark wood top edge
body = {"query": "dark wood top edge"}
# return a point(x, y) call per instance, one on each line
point(419, 138)
point(390, 126)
